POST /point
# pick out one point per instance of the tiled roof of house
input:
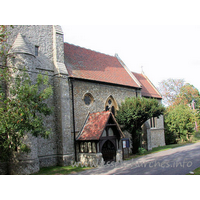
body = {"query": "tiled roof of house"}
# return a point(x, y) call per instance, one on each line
point(87, 64)
point(95, 125)
point(148, 89)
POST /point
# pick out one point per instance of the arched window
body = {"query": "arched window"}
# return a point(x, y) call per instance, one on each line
point(111, 105)
point(113, 110)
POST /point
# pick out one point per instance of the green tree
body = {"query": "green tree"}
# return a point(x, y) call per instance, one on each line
point(190, 97)
point(23, 106)
point(3, 34)
point(179, 124)
point(175, 92)
point(187, 94)
point(133, 113)
point(170, 89)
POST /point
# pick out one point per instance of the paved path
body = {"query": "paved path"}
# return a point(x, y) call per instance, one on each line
point(177, 161)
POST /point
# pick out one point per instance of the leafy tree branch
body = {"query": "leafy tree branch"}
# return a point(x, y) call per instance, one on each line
point(134, 112)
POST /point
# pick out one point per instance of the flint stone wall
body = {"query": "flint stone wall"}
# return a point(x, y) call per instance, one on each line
point(100, 93)
point(58, 148)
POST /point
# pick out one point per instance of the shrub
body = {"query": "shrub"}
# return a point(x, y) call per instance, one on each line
point(179, 124)
point(141, 151)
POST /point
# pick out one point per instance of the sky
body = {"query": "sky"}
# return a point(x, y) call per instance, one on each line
point(161, 51)
point(163, 36)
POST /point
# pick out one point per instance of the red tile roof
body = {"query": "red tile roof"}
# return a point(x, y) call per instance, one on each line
point(87, 64)
point(95, 125)
point(148, 89)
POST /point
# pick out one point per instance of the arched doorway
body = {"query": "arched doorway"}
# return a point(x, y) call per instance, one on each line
point(109, 151)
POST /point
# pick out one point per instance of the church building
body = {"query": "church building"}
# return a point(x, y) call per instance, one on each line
point(88, 88)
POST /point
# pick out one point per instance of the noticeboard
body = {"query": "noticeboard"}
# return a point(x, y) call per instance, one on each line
point(125, 143)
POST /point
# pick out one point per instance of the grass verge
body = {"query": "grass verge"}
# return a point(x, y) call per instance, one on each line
point(57, 170)
point(196, 171)
point(157, 149)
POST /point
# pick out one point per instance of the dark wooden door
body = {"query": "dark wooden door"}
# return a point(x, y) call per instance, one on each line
point(109, 151)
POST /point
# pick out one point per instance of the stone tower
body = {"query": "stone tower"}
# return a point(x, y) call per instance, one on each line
point(41, 49)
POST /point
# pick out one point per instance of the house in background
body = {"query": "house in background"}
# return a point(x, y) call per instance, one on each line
point(88, 88)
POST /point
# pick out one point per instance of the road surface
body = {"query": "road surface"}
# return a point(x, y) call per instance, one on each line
point(177, 161)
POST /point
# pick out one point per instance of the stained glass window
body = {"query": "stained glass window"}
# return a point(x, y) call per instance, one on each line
point(113, 110)
point(88, 99)
point(107, 108)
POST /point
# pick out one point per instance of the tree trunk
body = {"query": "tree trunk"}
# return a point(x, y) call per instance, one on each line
point(136, 140)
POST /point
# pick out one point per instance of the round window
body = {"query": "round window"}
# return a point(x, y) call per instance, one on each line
point(88, 99)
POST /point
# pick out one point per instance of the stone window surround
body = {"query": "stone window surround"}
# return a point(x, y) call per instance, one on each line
point(88, 94)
